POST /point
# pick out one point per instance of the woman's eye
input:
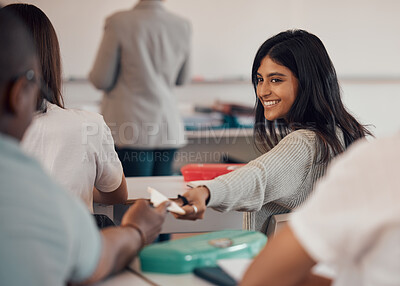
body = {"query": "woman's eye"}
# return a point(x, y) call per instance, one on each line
point(275, 80)
point(260, 79)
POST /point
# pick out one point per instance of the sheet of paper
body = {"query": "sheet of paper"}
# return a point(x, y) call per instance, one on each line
point(157, 198)
point(235, 267)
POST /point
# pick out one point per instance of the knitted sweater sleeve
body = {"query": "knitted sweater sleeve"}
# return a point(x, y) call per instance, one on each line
point(277, 174)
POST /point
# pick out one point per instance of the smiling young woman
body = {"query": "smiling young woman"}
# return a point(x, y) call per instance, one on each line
point(317, 105)
point(300, 125)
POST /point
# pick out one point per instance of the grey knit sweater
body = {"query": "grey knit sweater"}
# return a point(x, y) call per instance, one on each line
point(274, 183)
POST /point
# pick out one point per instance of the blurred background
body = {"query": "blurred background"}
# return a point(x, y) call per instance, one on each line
point(362, 38)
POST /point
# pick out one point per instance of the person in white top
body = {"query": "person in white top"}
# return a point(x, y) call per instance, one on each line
point(76, 147)
point(351, 223)
point(79, 155)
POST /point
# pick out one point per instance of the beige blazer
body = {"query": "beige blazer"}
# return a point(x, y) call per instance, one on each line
point(144, 53)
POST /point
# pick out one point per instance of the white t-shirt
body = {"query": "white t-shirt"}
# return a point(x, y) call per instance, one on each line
point(352, 221)
point(77, 148)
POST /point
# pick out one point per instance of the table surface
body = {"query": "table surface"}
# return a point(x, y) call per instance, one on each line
point(128, 278)
point(171, 186)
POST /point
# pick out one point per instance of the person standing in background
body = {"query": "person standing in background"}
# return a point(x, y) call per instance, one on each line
point(143, 55)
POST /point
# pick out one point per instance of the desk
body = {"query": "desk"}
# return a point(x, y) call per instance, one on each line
point(172, 186)
point(124, 279)
point(128, 278)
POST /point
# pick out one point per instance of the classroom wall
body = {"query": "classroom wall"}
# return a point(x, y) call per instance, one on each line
point(362, 38)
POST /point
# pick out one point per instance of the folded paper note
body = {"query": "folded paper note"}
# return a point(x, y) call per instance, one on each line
point(156, 198)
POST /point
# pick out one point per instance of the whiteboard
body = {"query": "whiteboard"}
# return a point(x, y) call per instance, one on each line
point(362, 36)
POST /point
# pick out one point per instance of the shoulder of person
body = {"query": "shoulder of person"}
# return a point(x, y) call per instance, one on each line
point(305, 135)
point(88, 115)
point(117, 16)
point(379, 150)
point(82, 115)
point(84, 120)
point(181, 20)
point(184, 20)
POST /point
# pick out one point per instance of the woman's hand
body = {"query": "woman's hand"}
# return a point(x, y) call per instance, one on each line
point(196, 206)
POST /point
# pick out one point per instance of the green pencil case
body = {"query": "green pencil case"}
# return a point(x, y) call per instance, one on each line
point(183, 255)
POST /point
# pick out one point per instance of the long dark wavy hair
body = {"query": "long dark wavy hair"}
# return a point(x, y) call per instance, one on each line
point(48, 50)
point(318, 106)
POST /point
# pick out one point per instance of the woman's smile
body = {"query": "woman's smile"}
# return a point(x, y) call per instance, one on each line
point(270, 103)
